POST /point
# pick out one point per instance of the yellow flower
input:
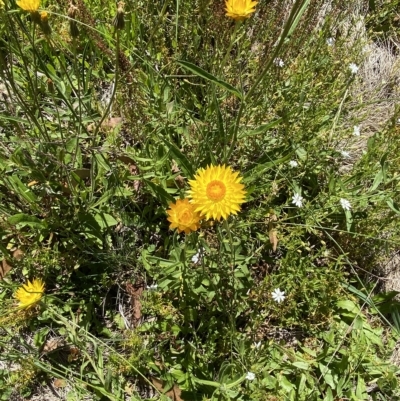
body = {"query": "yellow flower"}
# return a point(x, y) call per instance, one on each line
point(216, 192)
point(182, 215)
point(44, 17)
point(29, 294)
point(29, 5)
point(240, 9)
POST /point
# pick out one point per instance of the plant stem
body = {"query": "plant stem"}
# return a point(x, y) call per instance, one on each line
point(288, 26)
point(114, 89)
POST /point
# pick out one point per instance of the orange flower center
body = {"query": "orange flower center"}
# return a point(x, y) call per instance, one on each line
point(216, 190)
point(185, 216)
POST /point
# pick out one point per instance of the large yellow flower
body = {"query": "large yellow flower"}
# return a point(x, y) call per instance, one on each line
point(240, 9)
point(216, 192)
point(29, 294)
point(29, 5)
point(183, 216)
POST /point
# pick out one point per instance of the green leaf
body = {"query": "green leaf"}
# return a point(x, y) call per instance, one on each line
point(261, 129)
point(392, 206)
point(105, 220)
point(327, 375)
point(301, 153)
point(181, 160)
point(301, 365)
point(261, 167)
point(361, 390)
point(374, 336)
point(328, 395)
point(348, 305)
point(297, 18)
point(209, 77)
point(26, 220)
point(21, 189)
point(285, 384)
point(349, 219)
point(160, 192)
point(377, 181)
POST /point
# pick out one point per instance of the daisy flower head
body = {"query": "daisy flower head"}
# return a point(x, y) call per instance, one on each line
point(250, 376)
point(29, 5)
point(29, 294)
point(297, 200)
point(239, 10)
point(278, 295)
point(279, 62)
point(330, 41)
point(345, 204)
point(197, 257)
point(353, 68)
point(183, 216)
point(152, 287)
point(216, 192)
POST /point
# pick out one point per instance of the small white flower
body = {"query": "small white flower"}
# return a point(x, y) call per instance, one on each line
point(278, 295)
point(345, 204)
point(250, 376)
point(330, 41)
point(293, 163)
point(197, 258)
point(279, 62)
point(257, 345)
point(152, 287)
point(353, 68)
point(345, 154)
point(356, 130)
point(297, 199)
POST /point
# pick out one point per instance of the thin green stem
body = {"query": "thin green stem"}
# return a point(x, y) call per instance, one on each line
point(232, 42)
point(114, 89)
point(78, 93)
point(232, 299)
point(288, 27)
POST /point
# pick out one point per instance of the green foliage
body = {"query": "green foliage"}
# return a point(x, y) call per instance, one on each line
point(101, 132)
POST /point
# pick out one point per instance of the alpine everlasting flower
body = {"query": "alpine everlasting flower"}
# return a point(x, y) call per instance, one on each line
point(183, 216)
point(297, 199)
point(29, 294)
point(240, 9)
point(216, 192)
point(278, 295)
point(29, 5)
point(345, 204)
